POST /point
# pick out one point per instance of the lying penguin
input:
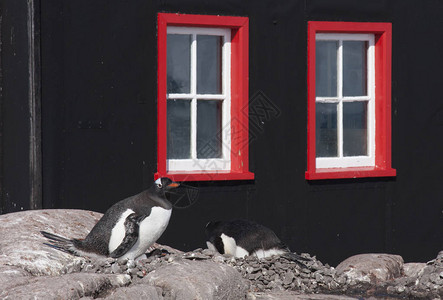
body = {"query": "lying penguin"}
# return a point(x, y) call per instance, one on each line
point(241, 238)
point(127, 229)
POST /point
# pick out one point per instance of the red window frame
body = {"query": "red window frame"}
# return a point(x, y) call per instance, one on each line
point(239, 96)
point(383, 48)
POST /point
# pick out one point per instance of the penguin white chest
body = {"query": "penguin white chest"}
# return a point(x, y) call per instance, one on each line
point(150, 230)
point(230, 246)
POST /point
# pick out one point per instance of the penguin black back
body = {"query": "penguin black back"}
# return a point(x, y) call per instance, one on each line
point(248, 235)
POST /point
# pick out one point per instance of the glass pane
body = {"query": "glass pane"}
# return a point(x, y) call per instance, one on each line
point(179, 129)
point(355, 140)
point(326, 129)
point(354, 68)
point(179, 63)
point(209, 122)
point(326, 68)
point(209, 61)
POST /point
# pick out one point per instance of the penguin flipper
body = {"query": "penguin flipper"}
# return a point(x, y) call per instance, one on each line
point(132, 226)
point(218, 244)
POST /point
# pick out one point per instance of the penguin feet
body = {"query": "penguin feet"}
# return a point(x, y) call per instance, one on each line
point(150, 249)
point(158, 252)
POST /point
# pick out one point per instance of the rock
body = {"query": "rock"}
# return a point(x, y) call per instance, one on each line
point(413, 269)
point(189, 279)
point(284, 295)
point(22, 244)
point(288, 278)
point(195, 256)
point(136, 292)
point(70, 286)
point(167, 248)
point(371, 268)
point(11, 277)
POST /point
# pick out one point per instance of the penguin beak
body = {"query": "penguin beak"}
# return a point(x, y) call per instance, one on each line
point(173, 185)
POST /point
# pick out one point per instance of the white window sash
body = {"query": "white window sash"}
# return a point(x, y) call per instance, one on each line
point(194, 163)
point(213, 164)
point(351, 161)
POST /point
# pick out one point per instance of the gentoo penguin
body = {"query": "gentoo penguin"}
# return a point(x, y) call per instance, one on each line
point(241, 238)
point(127, 229)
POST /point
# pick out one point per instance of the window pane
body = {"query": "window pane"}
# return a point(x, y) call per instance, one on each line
point(209, 122)
point(326, 129)
point(354, 68)
point(355, 128)
point(209, 61)
point(179, 129)
point(179, 63)
point(326, 68)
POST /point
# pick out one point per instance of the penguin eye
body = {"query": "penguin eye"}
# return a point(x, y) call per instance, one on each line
point(159, 185)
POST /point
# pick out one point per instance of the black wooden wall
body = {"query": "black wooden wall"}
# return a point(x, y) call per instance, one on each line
point(98, 94)
point(20, 147)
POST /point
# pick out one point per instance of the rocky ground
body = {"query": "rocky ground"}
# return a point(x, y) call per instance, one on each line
point(31, 270)
point(277, 274)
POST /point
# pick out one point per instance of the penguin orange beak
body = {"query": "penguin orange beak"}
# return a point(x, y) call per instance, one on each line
point(173, 185)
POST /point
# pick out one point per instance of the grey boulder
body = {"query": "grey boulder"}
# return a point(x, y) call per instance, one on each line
point(187, 279)
point(285, 295)
point(413, 269)
point(22, 245)
point(370, 268)
point(69, 286)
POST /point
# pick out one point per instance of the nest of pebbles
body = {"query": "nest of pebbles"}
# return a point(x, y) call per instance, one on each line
point(282, 274)
point(278, 273)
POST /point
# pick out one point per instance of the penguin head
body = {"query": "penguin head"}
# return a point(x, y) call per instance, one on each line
point(213, 230)
point(211, 226)
point(164, 184)
point(213, 237)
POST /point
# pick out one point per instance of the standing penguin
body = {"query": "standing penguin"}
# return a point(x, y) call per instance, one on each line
point(241, 238)
point(127, 229)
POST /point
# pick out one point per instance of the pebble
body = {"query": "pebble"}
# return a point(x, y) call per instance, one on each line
point(318, 277)
point(140, 274)
point(115, 268)
point(131, 264)
point(288, 278)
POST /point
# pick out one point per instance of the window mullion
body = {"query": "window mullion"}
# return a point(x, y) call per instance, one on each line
point(371, 102)
point(340, 69)
point(194, 100)
point(340, 128)
point(194, 64)
point(340, 99)
point(194, 128)
point(226, 107)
